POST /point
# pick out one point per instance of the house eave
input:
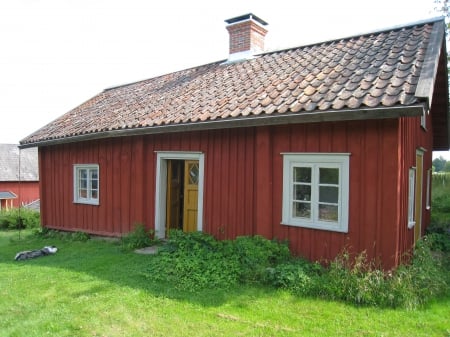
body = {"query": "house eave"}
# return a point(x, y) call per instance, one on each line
point(239, 122)
point(427, 78)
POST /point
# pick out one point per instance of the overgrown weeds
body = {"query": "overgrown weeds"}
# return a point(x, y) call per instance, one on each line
point(193, 261)
point(138, 238)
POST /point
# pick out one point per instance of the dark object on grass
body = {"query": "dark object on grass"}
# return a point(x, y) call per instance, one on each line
point(31, 254)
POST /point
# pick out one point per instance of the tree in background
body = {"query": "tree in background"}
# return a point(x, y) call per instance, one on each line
point(447, 167)
point(439, 164)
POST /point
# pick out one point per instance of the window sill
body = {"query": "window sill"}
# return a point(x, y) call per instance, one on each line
point(86, 202)
point(323, 227)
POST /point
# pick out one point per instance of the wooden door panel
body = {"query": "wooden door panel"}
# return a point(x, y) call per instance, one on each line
point(191, 178)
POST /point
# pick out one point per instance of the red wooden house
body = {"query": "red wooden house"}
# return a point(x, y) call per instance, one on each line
point(19, 176)
point(326, 145)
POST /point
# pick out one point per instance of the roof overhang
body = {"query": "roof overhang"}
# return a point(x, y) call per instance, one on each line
point(7, 195)
point(253, 121)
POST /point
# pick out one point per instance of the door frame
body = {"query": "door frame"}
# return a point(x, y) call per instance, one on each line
point(161, 187)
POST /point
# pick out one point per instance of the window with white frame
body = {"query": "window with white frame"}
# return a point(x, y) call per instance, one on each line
point(316, 191)
point(411, 197)
point(86, 184)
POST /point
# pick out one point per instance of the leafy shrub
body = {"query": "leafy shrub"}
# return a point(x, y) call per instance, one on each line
point(255, 254)
point(16, 218)
point(196, 260)
point(138, 238)
point(296, 275)
point(79, 236)
point(192, 261)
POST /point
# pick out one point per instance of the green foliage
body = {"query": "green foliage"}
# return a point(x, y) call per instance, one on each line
point(47, 233)
point(196, 260)
point(439, 229)
point(439, 164)
point(410, 286)
point(193, 261)
point(255, 254)
point(79, 236)
point(297, 275)
point(138, 238)
point(22, 218)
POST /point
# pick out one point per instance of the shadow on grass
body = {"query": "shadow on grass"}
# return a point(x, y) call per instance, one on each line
point(106, 260)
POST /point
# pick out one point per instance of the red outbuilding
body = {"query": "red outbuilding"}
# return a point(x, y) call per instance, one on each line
point(326, 145)
point(19, 176)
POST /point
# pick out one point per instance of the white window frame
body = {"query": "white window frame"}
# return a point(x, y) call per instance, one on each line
point(77, 198)
point(411, 197)
point(316, 161)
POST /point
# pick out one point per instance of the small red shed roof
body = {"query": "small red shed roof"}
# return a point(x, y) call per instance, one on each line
point(384, 74)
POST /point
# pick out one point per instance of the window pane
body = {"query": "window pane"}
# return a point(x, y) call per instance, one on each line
point(302, 174)
point(328, 213)
point(301, 210)
point(94, 194)
point(329, 176)
point(193, 174)
point(83, 193)
point(302, 192)
point(94, 184)
point(83, 174)
point(329, 194)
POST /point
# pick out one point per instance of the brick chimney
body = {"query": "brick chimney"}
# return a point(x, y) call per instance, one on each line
point(246, 36)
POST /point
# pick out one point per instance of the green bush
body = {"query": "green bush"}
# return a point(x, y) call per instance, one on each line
point(138, 238)
point(22, 218)
point(296, 275)
point(193, 261)
point(255, 254)
point(196, 260)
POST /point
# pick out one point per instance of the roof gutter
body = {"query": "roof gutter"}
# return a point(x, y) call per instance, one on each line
point(264, 120)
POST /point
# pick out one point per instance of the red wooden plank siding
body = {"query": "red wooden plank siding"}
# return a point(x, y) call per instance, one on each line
point(263, 182)
point(243, 183)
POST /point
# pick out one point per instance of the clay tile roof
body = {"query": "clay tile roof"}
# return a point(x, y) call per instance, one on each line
point(380, 69)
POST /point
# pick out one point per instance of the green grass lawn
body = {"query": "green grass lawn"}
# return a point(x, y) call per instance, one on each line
point(93, 288)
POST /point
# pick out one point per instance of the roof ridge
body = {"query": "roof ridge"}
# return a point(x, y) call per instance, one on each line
point(367, 33)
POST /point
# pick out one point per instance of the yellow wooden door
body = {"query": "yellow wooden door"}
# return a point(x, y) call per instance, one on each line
point(191, 178)
point(418, 193)
point(174, 188)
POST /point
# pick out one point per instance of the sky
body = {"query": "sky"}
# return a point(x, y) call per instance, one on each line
point(56, 54)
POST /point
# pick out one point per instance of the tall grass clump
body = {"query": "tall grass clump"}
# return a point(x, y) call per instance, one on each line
point(410, 286)
point(22, 218)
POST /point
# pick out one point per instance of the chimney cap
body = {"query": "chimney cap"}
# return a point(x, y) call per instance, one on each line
point(249, 16)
